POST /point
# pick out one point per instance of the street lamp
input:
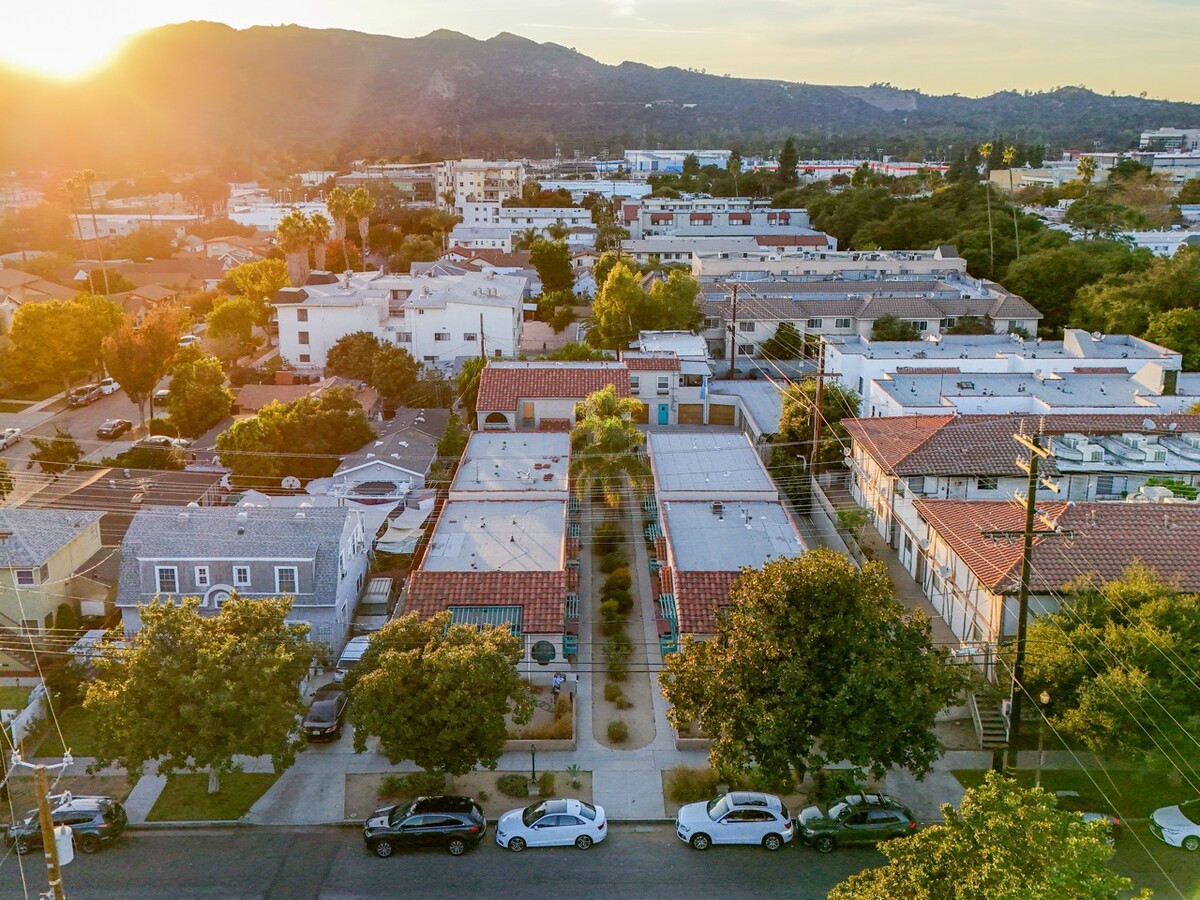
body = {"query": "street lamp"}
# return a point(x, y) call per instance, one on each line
point(1044, 699)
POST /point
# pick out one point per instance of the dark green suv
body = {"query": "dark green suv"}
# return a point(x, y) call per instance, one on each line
point(856, 819)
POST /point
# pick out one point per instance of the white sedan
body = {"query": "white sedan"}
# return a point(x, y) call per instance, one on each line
point(1178, 826)
point(108, 386)
point(552, 823)
point(8, 437)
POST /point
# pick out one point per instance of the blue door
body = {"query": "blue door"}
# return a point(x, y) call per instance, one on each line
point(664, 414)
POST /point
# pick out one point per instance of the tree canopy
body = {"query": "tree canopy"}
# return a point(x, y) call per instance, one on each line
point(1003, 843)
point(603, 445)
point(438, 694)
point(622, 307)
point(552, 259)
point(352, 356)
point(394, 375)
point(59, 340)
point(56, 454)
point(813, 662)
point(890, 328)
point(138, 357)
point(193, 691)
point(198, 399)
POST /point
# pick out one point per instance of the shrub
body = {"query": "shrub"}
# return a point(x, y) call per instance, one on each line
point(483, 796)
point(561, 729)
point(66, 618)
point(65, 683)
point(414, 784)
point(608, 537)
point(618, 670)
point(512, 785)
point(609, 611)
point(612, 627)
point(393, 786)
point(622, 598)
point(685, 784)
point(623, 703)
point(610, 562)
point(619, 579)
point(162, 425)
point(612, 692)
point(830, 784)
point(618, 731)
point(546, 784)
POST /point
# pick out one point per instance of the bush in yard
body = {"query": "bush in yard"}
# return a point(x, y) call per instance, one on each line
point(65, 684)
point(414, 784)
point(608, 537)
point(623, 702)
point(831, 784)
point(393, 786)
point(685, 784)
point(612, 692)
point(512, 785)
point(619, 579)
point(609, 611)
point(610, 562)
point(546, 784)
point(618, 731)
point(159, 425)
point(622, 598)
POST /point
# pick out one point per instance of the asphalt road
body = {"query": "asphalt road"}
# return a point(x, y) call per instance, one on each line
point(333, 864)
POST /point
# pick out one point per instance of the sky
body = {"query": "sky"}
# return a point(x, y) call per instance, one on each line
point(971, 47)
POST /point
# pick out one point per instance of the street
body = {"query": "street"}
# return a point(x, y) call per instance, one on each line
point(645, 861)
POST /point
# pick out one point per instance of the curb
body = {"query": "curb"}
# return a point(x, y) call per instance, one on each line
point(181, 825)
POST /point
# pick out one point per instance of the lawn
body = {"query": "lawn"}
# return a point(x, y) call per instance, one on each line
point(34, 392)
point(77, 726)
point(14, 697)
point(1133, 793)
point(186, 797)
point(13, 406)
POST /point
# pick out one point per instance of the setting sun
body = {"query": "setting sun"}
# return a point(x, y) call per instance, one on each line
point(40, 42)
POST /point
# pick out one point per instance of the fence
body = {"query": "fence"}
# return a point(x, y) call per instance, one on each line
point(27, 720)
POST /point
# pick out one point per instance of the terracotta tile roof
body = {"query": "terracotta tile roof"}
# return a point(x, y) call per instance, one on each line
point(651, 362)
point(983, 445)
point(1098, 539)
point(554, 425)
point(792, 240)
point(502, 385)
point(698, 595)
point(541, 595)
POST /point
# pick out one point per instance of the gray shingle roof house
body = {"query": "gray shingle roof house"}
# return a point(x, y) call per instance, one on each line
point(316, 555)
point(29, 537)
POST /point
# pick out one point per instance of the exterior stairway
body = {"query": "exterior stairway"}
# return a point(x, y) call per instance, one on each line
point(990, 724)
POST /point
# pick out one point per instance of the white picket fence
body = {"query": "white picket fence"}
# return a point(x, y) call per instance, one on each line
point(24, 722)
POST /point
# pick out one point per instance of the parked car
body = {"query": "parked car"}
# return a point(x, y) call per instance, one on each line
point(111, 429)
point(162, 395)
point(552, 823)
point(351, 654)
point(324, 719)
point(82, 396)
point(8, 437)
point(188, 340)
point(452, 823)
point(108, 386)
point(1090, 812)
point(1178, 826)
point(93, 821)
point(162, 442)
point(856, 819)
point(740, 817)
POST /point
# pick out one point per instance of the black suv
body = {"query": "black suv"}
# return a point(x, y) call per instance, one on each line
point(856, 819)
point(326, 713)
point(93, 820)
point(452, 823)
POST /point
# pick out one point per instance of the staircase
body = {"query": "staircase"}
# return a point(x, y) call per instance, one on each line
point(990, 724)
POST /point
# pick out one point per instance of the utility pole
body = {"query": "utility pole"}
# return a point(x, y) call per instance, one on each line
point(1031, 443)
point(49, 847)
point(733, 332)
point(482, 351)
point(814, 453)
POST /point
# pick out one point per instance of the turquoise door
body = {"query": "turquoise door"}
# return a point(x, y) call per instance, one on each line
point(664, 414)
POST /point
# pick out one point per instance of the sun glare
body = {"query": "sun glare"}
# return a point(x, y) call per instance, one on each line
point(60, 52)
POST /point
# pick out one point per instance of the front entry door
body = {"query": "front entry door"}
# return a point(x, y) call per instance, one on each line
point(664, 413)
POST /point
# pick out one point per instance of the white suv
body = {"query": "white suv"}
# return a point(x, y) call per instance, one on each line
point(740, 817)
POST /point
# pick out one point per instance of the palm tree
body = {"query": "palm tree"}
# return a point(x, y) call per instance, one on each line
point(558, 231)
point(525, 238)
point(1010, 153)
point(319, 228)
point(985, 150)
point(70, 188)
point(1086, 170)
point(295, 235)
point(337, 202)
point(86, 179)
point(361, 206)
point(603, 445)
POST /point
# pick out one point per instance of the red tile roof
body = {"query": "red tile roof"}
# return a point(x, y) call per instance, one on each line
point(1097, 539)
point(698, 596)
point(891, 439)
point(554, 424)
point(655, 362)
point(541, 595)
point(502, 385)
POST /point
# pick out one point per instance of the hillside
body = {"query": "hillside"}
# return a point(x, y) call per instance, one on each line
point(203, 93)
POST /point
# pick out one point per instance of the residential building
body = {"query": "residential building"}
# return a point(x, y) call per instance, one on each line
point(317, 555)
point(1163, 243)
point(236, 249)
point(974, 582)
point(119, 224)
point(644, 162)
point(672, 390)
point(684, 249)
point(709, 217)
point(18, 288)
point(477, 180)
point(505, 548)
point(540, 395)
point(45, 558)
point(1185, 140)
point(609, 188)
point(519, 218)
point(482, 237)
point(939, 264)
point(437, 319)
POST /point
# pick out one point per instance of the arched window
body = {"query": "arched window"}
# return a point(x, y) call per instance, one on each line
point(496, 418)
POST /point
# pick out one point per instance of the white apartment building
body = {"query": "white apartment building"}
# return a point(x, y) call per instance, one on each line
point(847, 265)
point(645, 162)
point(493, 214)
point(475, 180)
point(437, 319)
point(710, 217)
point(1178, 139)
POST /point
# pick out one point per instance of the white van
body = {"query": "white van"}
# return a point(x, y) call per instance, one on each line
point(351, 654)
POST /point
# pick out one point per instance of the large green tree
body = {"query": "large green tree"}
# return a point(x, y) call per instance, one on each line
point(619, 308)
point(56, 454)
point(60, 339)
point(1178, 329)
point(674, 303)
point(258, 282)
point(393, 375)
point(552, 259)
point(789, 158)
point(231, 323)
point(191, 692)
point(352, 356)
point(138, 357)
point(1124, 303)
point(604, 445)
point(1003, 843)
point(890, 328)
point(438, 693)
point(198, 399)
point(814, 662)
point(466, 385)
point(1109, 660)
point(793, 442)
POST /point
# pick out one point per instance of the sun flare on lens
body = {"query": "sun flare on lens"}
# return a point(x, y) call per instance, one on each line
point(46, 45)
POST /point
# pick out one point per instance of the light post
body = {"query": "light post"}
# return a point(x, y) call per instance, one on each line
point(1044, 699)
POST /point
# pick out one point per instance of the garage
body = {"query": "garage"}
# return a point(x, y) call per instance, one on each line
point(722, 415)
point(691, 413)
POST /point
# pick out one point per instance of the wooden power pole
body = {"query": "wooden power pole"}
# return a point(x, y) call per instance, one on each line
point(49, 846)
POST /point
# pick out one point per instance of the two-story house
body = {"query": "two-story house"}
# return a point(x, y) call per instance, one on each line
point(541, 395)
point(316, 555)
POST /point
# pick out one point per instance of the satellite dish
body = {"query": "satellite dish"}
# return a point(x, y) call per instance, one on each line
point(291, 483)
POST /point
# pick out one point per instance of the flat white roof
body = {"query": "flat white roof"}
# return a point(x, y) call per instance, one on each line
point(728, 536)
point(713, 465)
point(498, 536)
point(514, 462)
